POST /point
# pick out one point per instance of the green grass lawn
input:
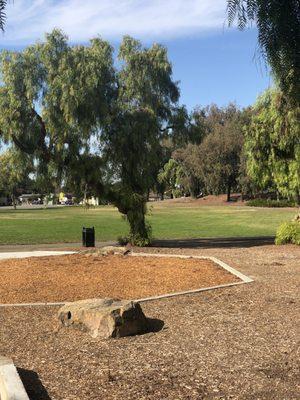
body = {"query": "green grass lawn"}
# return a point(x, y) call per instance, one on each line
point(169, 221)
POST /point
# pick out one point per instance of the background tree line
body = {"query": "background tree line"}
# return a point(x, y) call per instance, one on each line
point(250, 151)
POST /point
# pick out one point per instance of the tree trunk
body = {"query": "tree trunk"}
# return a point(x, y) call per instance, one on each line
point(85, 204)
point(139, 231)
point(14, 201)
point(297, 197)
point(133, 205)
point(277, 195)
point(228, 191)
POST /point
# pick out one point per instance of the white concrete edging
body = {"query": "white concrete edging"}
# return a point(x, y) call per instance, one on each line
point(11, 386)
point(35, 253)
point(38, 304)
point(242, 277)
point(235, 272)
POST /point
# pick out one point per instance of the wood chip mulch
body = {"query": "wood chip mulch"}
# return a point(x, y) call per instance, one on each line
point(238, 343)
point(80, 276)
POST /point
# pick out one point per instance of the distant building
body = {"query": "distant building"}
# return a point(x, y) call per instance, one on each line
point(92, 201)
point(31, 198)
point(66, 198)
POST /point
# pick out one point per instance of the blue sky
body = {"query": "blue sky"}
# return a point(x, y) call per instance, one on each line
point(219, 67)
point(213, 63)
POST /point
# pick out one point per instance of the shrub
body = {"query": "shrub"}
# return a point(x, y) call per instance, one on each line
point(123, 240)
point(177, 193)
point(270, 203)
point(288, 232)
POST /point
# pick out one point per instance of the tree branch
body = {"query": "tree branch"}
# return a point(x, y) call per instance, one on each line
point(46, 152)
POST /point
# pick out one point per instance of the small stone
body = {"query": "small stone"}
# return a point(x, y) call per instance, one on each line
point(104, 318)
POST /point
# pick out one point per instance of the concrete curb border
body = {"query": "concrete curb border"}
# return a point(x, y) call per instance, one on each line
point(11, 386)
point(193, 291)
point(35, 253)
point(234, 271)
point(40, 304)
point(242, 277)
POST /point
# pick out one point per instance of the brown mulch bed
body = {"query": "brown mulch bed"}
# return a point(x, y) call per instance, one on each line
point(79, 276)
point(239, 343)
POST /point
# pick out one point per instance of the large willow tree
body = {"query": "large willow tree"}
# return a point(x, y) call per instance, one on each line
point(278, 24)
point(60, 104)
point(144, 106)
point(272, 145)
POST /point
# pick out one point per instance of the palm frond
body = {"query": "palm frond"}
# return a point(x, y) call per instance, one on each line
point(3, 4)
point(278, 24)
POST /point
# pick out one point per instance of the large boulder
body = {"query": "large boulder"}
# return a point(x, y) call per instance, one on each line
point(104, 318)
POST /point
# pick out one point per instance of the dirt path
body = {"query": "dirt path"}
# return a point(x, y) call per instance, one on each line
point(237, 343)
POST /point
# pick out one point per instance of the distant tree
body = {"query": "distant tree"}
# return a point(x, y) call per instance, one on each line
point(188, 160)
point(272, 145)
point(186, 127)
point(213, 165)
point(246, 185)
point(199, 123)
point(278, 24)
point(220, 159)
point(183, 129)
point(171, 176)
point(15, 169)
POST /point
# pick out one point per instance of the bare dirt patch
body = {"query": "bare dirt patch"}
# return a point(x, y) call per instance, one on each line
point(209, 200)
point(75, 277)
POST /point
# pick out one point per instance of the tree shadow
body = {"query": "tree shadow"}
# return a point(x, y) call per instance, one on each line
point(229, 242)
point(33, 385)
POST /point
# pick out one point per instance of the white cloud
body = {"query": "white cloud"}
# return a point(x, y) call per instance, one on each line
point(27, 20)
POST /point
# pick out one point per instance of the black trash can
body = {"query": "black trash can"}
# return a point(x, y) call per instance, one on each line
point(88, 237)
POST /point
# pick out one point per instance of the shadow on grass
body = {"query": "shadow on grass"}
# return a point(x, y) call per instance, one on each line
point(215, 242)
point(33, 385)
point(20, 210)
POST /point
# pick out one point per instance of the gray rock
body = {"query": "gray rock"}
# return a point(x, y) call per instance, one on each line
point(104, 318)
point(107, 250)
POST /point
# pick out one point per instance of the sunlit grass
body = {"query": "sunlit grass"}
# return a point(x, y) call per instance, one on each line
point(169, 221)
